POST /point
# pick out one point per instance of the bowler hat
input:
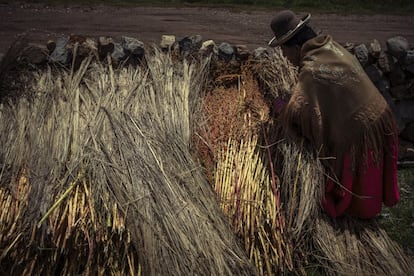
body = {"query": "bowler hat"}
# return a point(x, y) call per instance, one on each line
point(285, 25)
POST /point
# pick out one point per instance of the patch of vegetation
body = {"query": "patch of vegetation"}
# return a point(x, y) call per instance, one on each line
point(398, 221)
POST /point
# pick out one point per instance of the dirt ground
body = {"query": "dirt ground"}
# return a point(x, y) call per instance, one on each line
point(250, 28)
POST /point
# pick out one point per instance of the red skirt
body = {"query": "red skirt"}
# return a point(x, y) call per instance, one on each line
point(362, 196)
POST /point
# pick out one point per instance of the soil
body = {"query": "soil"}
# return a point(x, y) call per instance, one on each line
point(148, 24)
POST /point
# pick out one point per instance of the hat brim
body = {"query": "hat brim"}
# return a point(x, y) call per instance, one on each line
point(276, 42)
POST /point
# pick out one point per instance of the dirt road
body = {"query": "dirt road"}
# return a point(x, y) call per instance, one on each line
point(148, 24)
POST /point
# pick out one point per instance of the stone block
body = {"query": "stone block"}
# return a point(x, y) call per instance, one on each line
point(374, 49)
point(225, 51)
point(118, 54)
point(61, 53)
point(133, 46)
point(397, 46)
point(208, 47)
point(167, 41)
point(409, 57)
point(386, 62)
point(361, 53)
point(190, 44)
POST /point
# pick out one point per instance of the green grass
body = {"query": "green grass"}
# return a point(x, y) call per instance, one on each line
point(343, 6)
point(398, 221)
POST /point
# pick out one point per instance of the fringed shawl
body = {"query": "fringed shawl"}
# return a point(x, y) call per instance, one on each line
point(337, 107)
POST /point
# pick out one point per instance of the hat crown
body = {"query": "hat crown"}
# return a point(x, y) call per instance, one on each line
point(283, 23)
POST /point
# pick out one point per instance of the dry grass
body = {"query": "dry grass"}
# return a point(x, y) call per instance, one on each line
point(113, 187)
point(235, 116)
point(98, 176)
point(250, 198)
point(359, 246)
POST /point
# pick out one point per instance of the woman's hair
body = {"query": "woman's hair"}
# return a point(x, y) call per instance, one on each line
point(301, 37)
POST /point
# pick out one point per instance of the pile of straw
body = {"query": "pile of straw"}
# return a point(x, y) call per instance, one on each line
point(97, 175)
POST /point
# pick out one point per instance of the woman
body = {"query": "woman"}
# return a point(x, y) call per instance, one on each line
point(340, 112)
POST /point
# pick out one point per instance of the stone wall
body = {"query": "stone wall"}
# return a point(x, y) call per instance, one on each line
point(392, 71)
point(391, 68)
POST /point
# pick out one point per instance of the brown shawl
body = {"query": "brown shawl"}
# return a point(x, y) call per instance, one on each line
point(336, 106)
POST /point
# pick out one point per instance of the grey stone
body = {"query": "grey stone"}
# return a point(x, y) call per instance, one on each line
point(133, 46)
point(118, 54)
point(361, 53)
point(61, 53)
point(208, 47)
point(226, 51)
point(1, 56)
point(167, 41)
point(398, 46)
point(409, 57)
point(374, 49)
point(386, 62)
point(190, 44)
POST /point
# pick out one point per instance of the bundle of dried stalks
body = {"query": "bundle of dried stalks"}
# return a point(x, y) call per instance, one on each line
point(246, 188)
point(250, 198)
point(305, 173)
point(302, 187)
point(96, 165)
point(358, 247)
point(278, 74)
